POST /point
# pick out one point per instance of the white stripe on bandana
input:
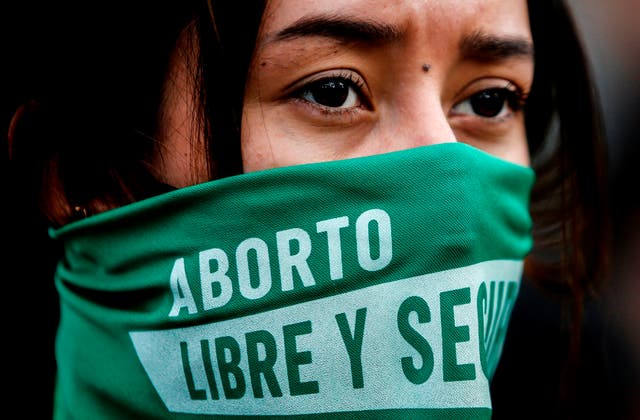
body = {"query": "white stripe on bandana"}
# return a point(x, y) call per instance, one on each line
point(410, 343)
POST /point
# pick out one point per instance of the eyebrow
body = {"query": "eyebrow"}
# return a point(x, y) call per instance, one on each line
point(344, 29)
point(478, 46)
point(483, 47)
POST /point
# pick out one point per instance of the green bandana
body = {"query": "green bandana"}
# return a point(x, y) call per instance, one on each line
point(375, 287)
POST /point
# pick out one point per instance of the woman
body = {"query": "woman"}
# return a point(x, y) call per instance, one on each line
point(334, 265)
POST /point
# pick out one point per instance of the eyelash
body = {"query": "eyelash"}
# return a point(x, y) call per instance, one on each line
point(511, 95)
point(348, 78)
point(518, 96)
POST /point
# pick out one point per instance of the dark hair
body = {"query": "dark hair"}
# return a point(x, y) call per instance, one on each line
point(95, 90)
point(86, 106)
point(564, 127)
point(572, 243)
point(89, 108)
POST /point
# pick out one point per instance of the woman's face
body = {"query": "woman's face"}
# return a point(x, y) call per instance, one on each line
point(335, 79)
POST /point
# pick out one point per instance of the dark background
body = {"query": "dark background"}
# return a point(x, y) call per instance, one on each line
point(30, 307)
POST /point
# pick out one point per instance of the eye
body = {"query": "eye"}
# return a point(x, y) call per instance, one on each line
point(491, 103)
point(337, 92)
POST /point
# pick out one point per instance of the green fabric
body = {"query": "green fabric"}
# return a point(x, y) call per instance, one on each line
point(379, 286)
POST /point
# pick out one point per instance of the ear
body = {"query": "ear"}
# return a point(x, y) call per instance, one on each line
point(17, 125)
point(34, 169)
point(11, 134)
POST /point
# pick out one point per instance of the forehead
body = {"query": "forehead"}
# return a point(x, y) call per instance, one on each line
point(413, 17)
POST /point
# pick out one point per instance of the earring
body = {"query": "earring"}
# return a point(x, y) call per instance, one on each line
point(80, 212)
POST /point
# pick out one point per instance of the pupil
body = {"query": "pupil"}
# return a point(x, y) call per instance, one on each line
point(488, 103)
point(331, 93)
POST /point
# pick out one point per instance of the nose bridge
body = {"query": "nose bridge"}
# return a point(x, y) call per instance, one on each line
point(424, 119)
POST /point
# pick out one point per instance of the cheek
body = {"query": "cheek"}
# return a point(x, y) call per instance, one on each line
point(257, 153)
point(275, 134)
point(268, 140)
point(515, 147)
point(522, 156)
point(508, 143)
